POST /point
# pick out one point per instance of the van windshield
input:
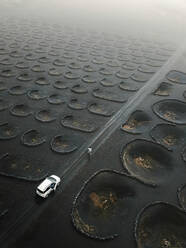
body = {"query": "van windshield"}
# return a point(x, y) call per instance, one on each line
point(51, 179)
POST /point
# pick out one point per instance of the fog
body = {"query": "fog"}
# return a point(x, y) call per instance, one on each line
point(156, 17)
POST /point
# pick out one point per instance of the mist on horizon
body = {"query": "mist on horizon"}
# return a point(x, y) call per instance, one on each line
point(167, 17)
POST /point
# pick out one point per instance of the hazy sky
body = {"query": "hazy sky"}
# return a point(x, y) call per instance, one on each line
point(163, 15)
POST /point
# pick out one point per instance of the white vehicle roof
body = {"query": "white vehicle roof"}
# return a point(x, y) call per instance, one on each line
point(43, 186)
point(47, 182)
